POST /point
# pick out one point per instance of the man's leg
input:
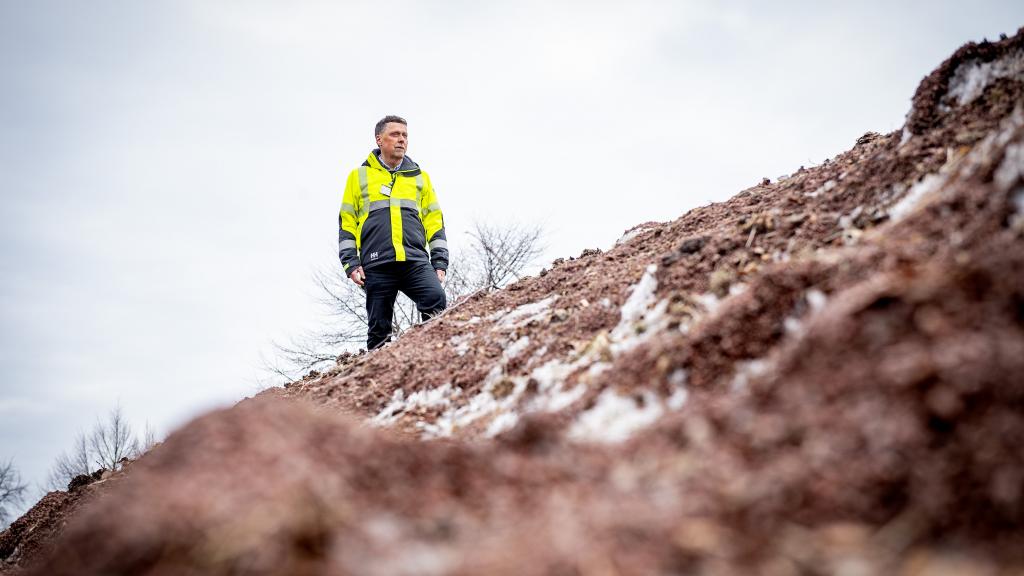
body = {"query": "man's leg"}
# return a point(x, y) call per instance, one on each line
point(381, 290)
point(422, 286)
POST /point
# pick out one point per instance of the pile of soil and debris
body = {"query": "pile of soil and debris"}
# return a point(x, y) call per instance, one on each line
point(821, 375)
point(30, 535)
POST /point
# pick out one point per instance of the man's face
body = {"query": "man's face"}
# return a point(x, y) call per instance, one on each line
point(393, 140)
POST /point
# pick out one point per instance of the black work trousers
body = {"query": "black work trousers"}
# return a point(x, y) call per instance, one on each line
point(417, 280)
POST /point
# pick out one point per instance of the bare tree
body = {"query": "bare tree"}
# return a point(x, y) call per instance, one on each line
point(113, 441)
point(503, 252)
point(12, 491)
point(496, 255)
point(104, 447)
point(148, 440)
point(71, 464)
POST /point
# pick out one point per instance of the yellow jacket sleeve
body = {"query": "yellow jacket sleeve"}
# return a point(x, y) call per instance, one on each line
point(433, 225)
point(348, 237)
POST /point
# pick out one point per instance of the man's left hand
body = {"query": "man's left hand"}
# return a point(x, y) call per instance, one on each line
point(440, 276)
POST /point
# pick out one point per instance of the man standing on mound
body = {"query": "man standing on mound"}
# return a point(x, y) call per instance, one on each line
point(391, 232)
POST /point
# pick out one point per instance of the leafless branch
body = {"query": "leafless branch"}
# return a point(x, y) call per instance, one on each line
point(504, 252)
point(12, 491)
point(148, 440)
point(113, 440)
point(70, 464)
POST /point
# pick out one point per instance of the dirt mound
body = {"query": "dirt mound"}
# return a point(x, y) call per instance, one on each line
point(33, 534)
point(820, 375)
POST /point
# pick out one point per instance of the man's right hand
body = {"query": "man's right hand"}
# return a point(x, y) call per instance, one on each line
point(358, 276)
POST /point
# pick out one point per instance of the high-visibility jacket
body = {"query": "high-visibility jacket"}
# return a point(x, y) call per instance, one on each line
point(389, 216)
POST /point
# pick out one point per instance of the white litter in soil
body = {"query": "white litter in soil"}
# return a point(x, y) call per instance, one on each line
point(460, 343)
point(642, 317)
point(906, 135)
point(1017, 220)
point(971, 78)
point(516, 348)
point(640, 300)
point(747, 371)
point(399, 404)
point(525, 314)
point(677, 400)
point(846, 220)
point(479, 406)
point(502, 422)
point(1011, 168)
point(827, 186)
point(916, 195)
point(816, 299)
point(614, 417)
point(552, 396)
point(677, 378)
point(488, 401)
point(627, 336)
point(792, 325)
point(631, 234)
point(708, 301)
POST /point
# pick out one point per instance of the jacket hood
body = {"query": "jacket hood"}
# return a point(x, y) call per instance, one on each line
point(407, 168)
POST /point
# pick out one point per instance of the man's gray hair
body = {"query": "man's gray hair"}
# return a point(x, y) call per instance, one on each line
point(384, 122)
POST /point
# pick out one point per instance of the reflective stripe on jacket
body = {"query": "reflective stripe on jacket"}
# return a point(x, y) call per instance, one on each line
point(390, 216)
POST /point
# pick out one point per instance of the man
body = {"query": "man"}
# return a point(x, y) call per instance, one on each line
point(391, 232)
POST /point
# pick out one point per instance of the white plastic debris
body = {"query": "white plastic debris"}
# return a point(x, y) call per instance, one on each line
point(1017, 220)
point(747, 371)
point(816, 299)
point(631, 234)
point(640, 300)
point(824, 188)
point(399, 404)
point(846, 220)
point(525, 314)
point(905, 136)
point(917, 193)
point(677, 399)
point(614, 417)
point(971, 78)
point(516, 348)
point(1011, 168)
point(550, 377)
point(708, 301)
point(461, 343)
point(502, 422)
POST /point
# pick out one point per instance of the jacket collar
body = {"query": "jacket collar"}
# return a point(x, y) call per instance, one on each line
point(407, 168)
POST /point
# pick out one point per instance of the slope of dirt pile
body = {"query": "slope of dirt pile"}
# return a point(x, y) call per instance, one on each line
point(820, 375)
point(32, 534)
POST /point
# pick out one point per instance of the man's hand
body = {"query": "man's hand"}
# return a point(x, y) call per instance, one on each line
point(440, 276)
point(358, 276)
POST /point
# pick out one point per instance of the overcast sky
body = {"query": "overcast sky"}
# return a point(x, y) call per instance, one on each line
point(172, 171)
